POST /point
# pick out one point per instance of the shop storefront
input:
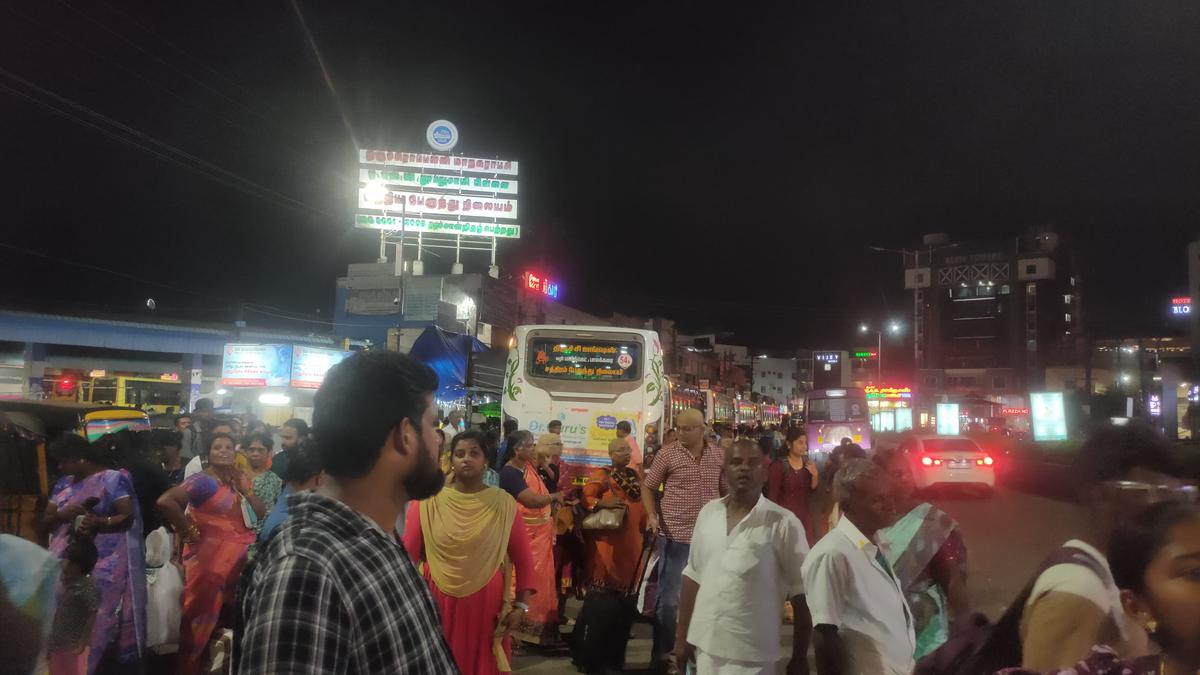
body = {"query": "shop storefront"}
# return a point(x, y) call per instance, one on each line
point(890, 406)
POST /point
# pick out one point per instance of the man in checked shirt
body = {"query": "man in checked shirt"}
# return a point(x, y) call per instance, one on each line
point(692, 471)
point(333, 591)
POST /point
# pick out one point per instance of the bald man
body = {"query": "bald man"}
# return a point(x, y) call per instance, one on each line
point(691, 472)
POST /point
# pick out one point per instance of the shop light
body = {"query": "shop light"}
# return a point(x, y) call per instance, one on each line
point(222, 392)
point(274, 399)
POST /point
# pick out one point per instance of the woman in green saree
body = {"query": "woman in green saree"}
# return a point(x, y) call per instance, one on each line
point(929, 557)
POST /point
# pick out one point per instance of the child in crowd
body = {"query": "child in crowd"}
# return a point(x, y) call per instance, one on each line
point(71, 634)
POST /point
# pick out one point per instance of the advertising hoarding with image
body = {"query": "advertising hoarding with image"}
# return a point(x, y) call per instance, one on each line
point(254, 365)
point(309, 365)
point(947, 419)
point(1049, 416)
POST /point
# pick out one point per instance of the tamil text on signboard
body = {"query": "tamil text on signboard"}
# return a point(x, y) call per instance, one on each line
point(584, 360)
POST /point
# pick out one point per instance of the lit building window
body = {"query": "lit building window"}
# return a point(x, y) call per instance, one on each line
point(1067, 318)
point(1066, 299)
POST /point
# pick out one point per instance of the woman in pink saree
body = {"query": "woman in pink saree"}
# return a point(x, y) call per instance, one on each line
point(214, 511)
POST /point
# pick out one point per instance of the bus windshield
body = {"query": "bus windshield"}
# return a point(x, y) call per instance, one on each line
point(842, 409)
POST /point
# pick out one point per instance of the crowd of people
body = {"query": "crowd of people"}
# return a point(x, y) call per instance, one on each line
point(388, 539)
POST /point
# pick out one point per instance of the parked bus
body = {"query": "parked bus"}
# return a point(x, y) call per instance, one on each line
point(748, 412)
point(149, 394)
point(833, 414)
point(589, 378)
point(682, 397)
point(771, 414)
point(719, 408)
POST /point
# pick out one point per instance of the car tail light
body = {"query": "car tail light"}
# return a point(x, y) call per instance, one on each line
point(988, 461)
point(937, 462)
point(926, 461)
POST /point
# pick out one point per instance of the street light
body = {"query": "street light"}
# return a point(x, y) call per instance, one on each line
point(893, 328)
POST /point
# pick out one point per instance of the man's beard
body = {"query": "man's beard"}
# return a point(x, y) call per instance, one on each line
point(426, 480)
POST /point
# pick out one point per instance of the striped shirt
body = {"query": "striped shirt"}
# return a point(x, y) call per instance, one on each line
point(689, 486)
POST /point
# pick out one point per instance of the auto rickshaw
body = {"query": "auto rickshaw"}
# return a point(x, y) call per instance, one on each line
point(26, 428)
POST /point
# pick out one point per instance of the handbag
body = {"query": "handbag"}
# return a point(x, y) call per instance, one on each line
point(249, 517)
point(604, 519)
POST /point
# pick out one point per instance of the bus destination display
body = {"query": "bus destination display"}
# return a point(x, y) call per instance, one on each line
point(602, 361)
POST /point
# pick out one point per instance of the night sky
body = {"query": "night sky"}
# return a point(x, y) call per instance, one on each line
point(723, 168)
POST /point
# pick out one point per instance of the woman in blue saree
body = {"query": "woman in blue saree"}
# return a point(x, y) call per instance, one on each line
point(928, 556)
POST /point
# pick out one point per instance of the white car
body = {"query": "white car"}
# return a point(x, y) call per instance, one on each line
point(943, 460)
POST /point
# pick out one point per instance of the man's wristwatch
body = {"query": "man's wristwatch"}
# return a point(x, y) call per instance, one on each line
point(521, 606)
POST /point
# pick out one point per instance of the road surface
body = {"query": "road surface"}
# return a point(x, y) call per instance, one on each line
point(1007, 535)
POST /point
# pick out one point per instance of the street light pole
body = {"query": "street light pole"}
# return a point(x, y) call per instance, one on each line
point(879, 357)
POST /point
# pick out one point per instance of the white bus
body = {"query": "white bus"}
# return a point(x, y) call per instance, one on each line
point(589, 378)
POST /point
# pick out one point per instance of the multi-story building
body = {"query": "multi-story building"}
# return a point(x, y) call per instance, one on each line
point(990, 317)
point(777, 378)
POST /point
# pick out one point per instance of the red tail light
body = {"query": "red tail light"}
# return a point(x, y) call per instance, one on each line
point(988, 461)
point(926, 461)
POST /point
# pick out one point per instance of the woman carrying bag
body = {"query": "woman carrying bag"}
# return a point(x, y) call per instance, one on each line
point(615, 520)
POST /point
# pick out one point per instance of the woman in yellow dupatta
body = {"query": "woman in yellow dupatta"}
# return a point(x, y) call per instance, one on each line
point(535, 504)
point(470, 539)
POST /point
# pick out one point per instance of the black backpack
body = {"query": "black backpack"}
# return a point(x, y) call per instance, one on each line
point(984, 648)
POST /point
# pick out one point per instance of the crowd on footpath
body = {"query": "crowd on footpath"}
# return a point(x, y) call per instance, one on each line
point(386, 539)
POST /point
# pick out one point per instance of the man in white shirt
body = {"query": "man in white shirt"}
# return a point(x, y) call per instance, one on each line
point(745, 558)
point(863, 625)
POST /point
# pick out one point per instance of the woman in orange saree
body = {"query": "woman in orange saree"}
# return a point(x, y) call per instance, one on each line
point(535, 504)
point(207, 511)
point(469, 541)
point(613, 554)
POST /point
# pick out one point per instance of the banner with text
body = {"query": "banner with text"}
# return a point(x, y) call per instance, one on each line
point(425, 160)
point(416, 179)
point(424, 203)
point(435, 225)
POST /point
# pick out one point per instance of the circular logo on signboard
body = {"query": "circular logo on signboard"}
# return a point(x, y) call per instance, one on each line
point(442, 135)
point(624, 360)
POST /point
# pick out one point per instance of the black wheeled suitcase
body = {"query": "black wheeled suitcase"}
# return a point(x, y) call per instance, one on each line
point(602, 628)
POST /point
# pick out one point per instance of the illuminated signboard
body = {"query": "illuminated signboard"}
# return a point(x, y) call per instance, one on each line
point(1154, 405)
point(1049, 416)
point(244, 365)
point(1014, 411)
point(887, 393)
point(425, 160)
point(865, 354)
point(827, 357)
point(416, 179)
point(947, 419)
point(441, 194)
point(437, 225)
point(592, 360)
point(1181, 306)
point(429, 203)
point(309, 365)
point(543, 285)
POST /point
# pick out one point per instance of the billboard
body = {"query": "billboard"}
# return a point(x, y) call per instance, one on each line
point(255, 365)
point(1049, 416)
point(947, 419)
point(309, 365)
